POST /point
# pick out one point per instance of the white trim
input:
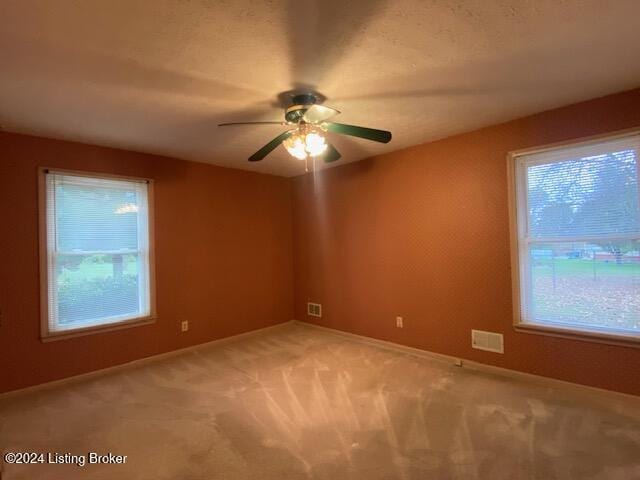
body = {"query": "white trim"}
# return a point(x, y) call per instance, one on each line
point(585, 334)
point(92, 174)
point(475, 366)
point(99, 328)
point(142, 361)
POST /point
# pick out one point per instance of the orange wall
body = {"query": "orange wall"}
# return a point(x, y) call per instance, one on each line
point(424, 233)
point(223, 258)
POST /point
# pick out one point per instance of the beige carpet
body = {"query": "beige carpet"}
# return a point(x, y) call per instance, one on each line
point(299, 403)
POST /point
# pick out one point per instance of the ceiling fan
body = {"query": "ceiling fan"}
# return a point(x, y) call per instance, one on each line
point(306, 138)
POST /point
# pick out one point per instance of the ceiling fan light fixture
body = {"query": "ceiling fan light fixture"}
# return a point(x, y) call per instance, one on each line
point(305, 143)
point(315, 144)
point(295, 146)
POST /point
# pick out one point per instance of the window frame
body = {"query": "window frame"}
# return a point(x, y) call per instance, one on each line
point(46, 334)
point(517, 226)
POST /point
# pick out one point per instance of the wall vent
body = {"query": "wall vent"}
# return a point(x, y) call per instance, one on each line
point(489, 341)
point(314, 309)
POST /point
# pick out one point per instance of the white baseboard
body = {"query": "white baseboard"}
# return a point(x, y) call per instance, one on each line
point(144, 360)
point(477, 366)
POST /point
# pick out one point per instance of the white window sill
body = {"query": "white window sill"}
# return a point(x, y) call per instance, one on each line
point(585, 335)
point(109, 327)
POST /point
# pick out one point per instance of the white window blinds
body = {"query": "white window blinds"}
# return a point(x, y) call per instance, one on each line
point(97, 251)
point(579, 236)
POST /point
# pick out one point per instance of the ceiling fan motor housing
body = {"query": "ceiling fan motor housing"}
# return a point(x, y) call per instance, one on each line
point(301, 104)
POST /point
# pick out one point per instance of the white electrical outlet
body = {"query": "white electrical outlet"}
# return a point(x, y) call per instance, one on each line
point(399, 322)
point(184, 325)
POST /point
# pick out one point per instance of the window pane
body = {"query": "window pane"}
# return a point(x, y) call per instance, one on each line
point(97, 241)
point(95, 216)
point(96, 287)
point(589, 284)
point(591, 195)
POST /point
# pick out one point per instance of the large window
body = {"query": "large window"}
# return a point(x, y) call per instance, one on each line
point(577, 236)
point(95, 251)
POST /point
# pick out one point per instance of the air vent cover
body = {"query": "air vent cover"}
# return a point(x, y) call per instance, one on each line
point(489, 341)
point(314, 309)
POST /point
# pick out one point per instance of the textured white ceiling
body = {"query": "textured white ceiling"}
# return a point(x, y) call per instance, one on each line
point(158, 75)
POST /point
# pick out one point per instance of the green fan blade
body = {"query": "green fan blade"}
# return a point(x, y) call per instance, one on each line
point(269, 147)
point(381, 136)
point(331, 155)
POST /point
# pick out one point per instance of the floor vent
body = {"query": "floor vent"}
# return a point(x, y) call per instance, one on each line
point(489, 341)
point(314, 309)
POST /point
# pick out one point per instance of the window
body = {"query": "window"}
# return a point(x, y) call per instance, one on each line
point(577, 238)
point(96, 252)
